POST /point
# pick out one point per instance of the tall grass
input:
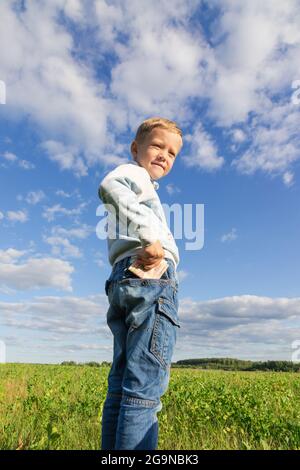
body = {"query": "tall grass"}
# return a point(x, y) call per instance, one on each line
point(60, 407)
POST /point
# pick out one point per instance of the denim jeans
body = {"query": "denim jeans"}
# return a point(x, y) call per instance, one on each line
point(143, 318)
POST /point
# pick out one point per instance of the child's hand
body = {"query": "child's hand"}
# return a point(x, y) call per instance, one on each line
point(150, 256)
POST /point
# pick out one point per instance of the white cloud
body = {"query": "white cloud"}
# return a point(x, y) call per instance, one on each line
point(50, 213)
point(61, 94)
point(229, 236)
point(57, 315)
point(182, 275)
point(26, 165)
point(17, 216)
point(56, 91)
point(238, 135)
point(99, 258)
point(33, 197)
point(11, 255)
point(74, 9)
point(9, 156)
point(81, 232)
point(275, 140)
point(67, 157)
point(233, 311)
point(257, 43)
point(35, 273)
point(172, 189)
point(204, 152)
point(1, 215)
point(235, 71)
point(62, 247)
point(243, 326)
point(60, 240)
point(61, 192)
point(288, 178)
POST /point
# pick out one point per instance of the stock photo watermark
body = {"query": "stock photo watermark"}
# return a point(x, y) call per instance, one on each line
point(296, 94)
point(296, 353)
point(2, 92)
point(2, 352)
point(188, 223)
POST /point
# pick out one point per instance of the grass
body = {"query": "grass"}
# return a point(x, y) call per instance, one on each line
point(60, 407)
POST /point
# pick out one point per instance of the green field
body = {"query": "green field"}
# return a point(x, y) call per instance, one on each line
point(60, 407)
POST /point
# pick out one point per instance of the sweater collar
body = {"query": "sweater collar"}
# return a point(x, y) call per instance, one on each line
point(155, 183)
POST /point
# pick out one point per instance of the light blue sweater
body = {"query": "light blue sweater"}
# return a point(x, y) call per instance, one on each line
point(135, 215)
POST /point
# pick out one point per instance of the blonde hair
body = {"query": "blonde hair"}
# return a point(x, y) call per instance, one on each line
point(153, 122)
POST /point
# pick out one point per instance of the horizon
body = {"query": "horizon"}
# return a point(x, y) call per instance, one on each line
point(228, 73)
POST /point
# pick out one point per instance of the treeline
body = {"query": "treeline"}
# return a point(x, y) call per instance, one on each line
point(90, 364)
point(223, 363)
point(228, 363)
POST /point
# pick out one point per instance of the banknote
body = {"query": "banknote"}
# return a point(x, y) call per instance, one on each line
point(154, 273)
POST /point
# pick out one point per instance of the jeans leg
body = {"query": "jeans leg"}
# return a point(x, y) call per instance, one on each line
point(143, 322)
point(111, 405)
point(146, 379)
point(110, 416)
point(138, 424)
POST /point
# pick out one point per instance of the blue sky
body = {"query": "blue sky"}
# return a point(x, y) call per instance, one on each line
point(80, 77)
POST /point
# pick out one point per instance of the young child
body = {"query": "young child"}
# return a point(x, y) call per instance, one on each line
point(143, 313)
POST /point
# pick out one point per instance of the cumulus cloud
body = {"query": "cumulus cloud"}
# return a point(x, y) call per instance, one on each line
point(12, 158)
point(60, 240)
point(58, 315)
point(204, 151)
point(11, 255)
point(33, 197)
point(243, 326)
point(172, 189)
point(81, 232)
point(59, 92)
point(34, 273)
point(63, 248)
point(26, 165)
point(73, 194)
point(50, 213)
point(231, 62)
point(275, 140)
point(238, 310)
point(66, 156)
point(182, 275)
point(238, 135)
point(288, 178)
point(229, 236)
point(17, 216)
point(9, 156)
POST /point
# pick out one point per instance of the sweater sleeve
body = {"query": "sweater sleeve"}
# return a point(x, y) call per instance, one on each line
point(121, 192)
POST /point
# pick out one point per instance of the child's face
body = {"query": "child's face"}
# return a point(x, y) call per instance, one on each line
point(157, 152)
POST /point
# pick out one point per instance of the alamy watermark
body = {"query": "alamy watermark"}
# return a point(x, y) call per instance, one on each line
point(2, 92)
point(296, 94)
point(123, 219)
point(2, 352)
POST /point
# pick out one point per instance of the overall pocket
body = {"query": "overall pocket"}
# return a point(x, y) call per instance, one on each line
point(164, 332)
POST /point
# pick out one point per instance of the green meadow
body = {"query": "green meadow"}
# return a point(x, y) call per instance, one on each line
point(60, 407)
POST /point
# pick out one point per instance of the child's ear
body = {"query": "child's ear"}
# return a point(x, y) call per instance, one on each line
point(133, 149)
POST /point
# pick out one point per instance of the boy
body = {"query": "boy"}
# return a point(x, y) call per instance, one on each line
point(143, 313)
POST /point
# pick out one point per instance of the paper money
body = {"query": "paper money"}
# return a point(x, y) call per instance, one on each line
point(154, 273)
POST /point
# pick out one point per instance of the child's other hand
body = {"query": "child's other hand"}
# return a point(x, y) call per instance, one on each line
point(150, 256)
